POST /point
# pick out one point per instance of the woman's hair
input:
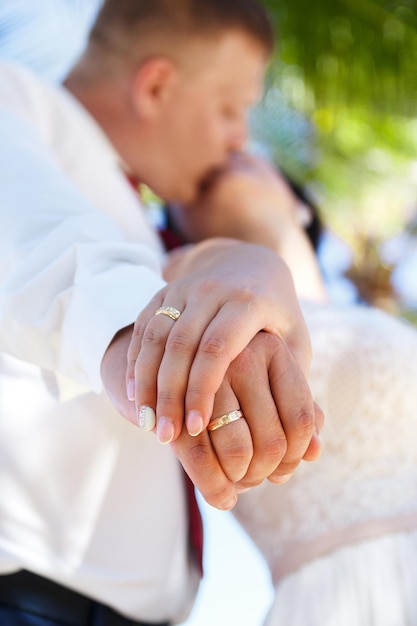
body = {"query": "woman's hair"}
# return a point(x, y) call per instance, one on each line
point(315, 227)
point(128, 26)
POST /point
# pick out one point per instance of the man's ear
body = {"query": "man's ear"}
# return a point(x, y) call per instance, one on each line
point(152, 86)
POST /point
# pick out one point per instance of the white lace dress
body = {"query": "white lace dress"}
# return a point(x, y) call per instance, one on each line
point(340, 537)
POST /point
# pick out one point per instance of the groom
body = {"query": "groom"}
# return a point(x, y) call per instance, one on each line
point(93, 524)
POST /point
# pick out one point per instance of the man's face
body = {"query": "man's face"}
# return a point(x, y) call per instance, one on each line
point(205, 117)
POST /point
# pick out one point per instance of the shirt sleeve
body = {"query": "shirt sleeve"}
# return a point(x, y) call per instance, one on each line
point(69, 279)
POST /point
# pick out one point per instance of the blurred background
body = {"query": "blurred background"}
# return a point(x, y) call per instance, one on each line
point(339, 116)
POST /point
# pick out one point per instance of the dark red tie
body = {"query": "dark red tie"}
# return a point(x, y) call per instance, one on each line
point(195, 522)
point(195, 525)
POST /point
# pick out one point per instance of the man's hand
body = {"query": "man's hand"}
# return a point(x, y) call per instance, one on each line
point(279, 425)
point(228, 292)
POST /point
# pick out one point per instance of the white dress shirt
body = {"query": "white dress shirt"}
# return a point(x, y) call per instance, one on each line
point(86, 498)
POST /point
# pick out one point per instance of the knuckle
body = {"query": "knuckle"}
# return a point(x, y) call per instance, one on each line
point(199, 456)
point(207, 286)
point(213, 345)
point(152, 337)
point(274, 450)
point(248, 296)
point(138, 329)
point(178, 343)
point(197, 395)
point(236, 453)
point(305, 421)
point(166, 396)
point(132, 356)
point(284, 472)
point(133, 350)
point(302, 431)
point(250, 481)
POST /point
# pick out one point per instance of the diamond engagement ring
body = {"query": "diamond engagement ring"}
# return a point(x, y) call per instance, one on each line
point(225, 419)
point(168, 310)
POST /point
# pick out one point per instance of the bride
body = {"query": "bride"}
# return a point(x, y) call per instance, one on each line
point(340, 537)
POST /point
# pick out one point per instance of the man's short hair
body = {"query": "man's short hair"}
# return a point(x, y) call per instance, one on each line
point(122, 25)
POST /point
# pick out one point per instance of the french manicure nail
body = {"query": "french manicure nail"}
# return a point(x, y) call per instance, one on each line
point(194, 423)
point(146, 418)
point(165, 430)
point(131, 389)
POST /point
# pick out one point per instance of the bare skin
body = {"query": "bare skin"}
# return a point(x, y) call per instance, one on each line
point(175, 122)
point(263, 378)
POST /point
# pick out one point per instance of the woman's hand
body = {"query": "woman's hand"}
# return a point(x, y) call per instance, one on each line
point(251, 201)
point(228, 292)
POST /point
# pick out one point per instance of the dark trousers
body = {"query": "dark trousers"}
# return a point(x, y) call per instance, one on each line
point(30, 600)
point(14, 617)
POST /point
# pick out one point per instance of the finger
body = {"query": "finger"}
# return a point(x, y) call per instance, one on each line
point(137, 334)
point(249, 380)
point(144, 355)
point(136, 343)
point(294, 331)
point(198, 351)
point(199, 460)
point(225, 337)
point(166, 354)
point(296, 410)
point(113, 371)
point(231, 442)
point(314, 449)
point(132, 355)
point(151, 388)
point(173, 372)
point(298, 341)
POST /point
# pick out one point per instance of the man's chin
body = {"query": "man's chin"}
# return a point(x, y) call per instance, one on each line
point(208, 182)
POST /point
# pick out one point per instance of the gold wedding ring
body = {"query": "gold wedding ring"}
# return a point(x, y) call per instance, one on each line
point(168, 310)
point(225, 419)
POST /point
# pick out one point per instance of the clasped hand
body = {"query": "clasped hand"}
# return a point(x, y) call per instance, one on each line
point(240, 342)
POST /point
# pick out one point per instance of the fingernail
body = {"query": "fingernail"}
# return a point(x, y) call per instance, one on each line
point(280, 480)
point(194, 423)
point(165, 430)
point(146, 418)
point(228, 504)
point(131, 389)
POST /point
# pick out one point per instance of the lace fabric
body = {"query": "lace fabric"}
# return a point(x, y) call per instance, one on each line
point(364, 376)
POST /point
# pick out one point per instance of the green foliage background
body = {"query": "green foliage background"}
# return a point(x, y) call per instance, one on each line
point(340, 108)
